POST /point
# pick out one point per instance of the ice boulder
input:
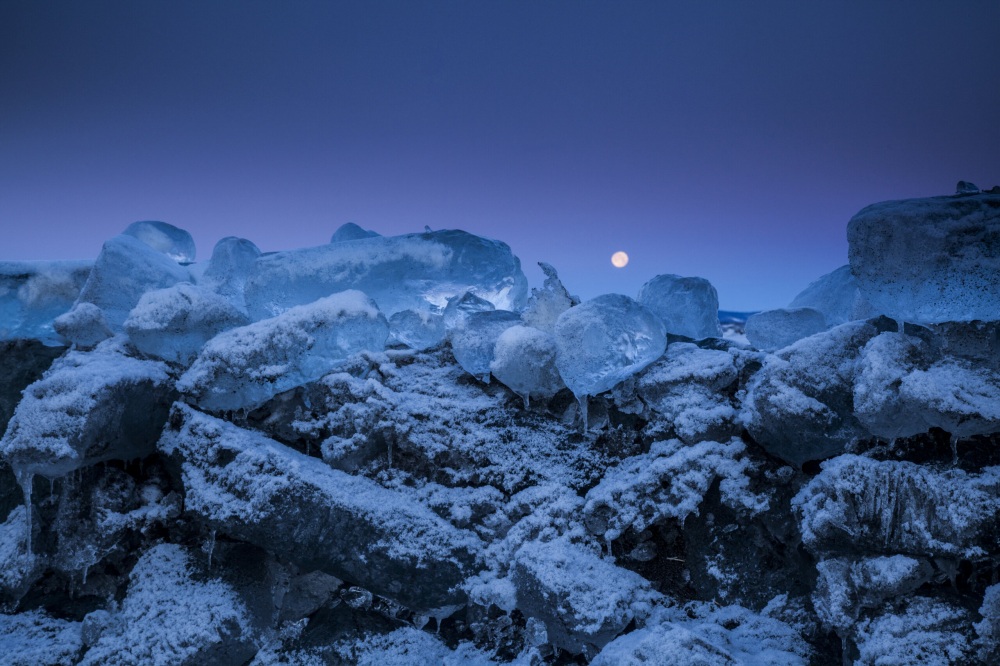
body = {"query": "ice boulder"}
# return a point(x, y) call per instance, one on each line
point(837, 296)
point(260, 491)
point(83, 326)
point(406, 272)
point(173, 324)
point(688, 306)
point(231, 264)
point(417, 329)
point(125, 270)
point(88, 407)
point(34, 293)
point(475, 340)
point(547, 303)
point(524, 360)
point(165, 238)
point(776, 329)
point(350, 231)
point(604, 341)
point(244, 367)
point(929, 260)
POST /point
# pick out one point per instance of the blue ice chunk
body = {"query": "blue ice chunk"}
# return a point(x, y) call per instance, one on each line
point(837, 296)
point(166, 238)
point(688, 306)
point(351, 231)
point(34, 293)
point(776, 329)
point(524, 360)
point(417, 329)
point(231, 264)
point(408, 272)
point(83, 326)
point(474, 341)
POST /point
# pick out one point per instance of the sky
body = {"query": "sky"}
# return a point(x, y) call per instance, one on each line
point(727, 140)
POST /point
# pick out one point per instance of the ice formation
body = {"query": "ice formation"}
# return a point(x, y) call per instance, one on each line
point(688, 306)
point(244, 462)
point(350, 231)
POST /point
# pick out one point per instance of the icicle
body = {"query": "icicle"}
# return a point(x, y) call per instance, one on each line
point(86, 570)
point(954, 450)
point(390, 453)
point(420, 621)
point(24, 479)
point(211, 547)
point(583, 399)
point(486, 378)
point(52, 490)
point(526, 396)
point(901, 324)
point(607, 540)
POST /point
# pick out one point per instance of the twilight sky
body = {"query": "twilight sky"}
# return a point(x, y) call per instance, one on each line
point(729, 140)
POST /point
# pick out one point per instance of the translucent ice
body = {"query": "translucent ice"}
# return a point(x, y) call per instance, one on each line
point(604, 341)
point(461, 306)
point(524, 359)
point(173, 324)
point(837, 296)
point(475, 340)
point(83, 326)
point(688, 306)
point(231, 263)
point(406, 272)
point(125, 270)
point(547, 303)
point(965, 187)
point(776, 329)
point(244, 367)
point(351, 231)
point(929, 260)
point(166, 238)
point(34, 293)
point(417, 329)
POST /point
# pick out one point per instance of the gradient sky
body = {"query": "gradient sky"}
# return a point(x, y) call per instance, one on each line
point(730, 140)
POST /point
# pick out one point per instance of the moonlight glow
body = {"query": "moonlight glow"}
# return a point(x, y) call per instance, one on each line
point(619, 259)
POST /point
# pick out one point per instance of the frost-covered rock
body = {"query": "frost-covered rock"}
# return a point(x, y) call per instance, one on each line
point(23, 362)
point(350, 231)
point(547, 303)
point(34, 293)
point(905, 388)
point(669, 482)
point(83, 326)
point(244, 367)
point(988, 629)
point(687, 388)
point(172, 241)
point(255, 489)
point(125, 269)
point(231, 264)
point(475, 340)
point(929, 260)
point(88, 407)
point(857, 504)
point(34, 638)
point(524, 360)
point(174, 614)
point(800, 405)
point(837, 296)
point(584, 600)
point(406, 272)
point(173, 324)
point(918, 630)
point(776, 329)
point(411, 647)
point(417, 329)
point(688, 306)
point(604, 341)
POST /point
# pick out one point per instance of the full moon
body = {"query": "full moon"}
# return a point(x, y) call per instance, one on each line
point(619, 259)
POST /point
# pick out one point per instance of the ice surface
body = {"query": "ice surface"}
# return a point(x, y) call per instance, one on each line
point(86, 408)
point(83, 326)
point(417, 329)
point(244, 367)
point(166, 238)
point(350, 231)
point(125, 270)
point(547, 303)
point(34, 293)
point(688, 306)
point(172, 615)
point(231, 264)
point(173, 324)
point(34, 638)
point(474, 341)
point(604, 341)
point(837, 296)
point(408, 272)
point(461, 306)
point(929, 260)
point(524, 360)
point(255, 489)
point(776, 329)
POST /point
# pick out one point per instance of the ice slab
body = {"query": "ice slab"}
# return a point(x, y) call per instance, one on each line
point(244, 367)
point(255, 489)
point(524, 360)
point(165, 238)
point(474, 341)
point(173, 324)
point(929, 260)
point(34, 293)
point(125, 270)
point(837, 296)
point(408, 272)
point(604, 341)
point(776, 329)
point(688, 306)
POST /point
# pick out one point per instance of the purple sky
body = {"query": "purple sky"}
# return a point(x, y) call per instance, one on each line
point(730, 140)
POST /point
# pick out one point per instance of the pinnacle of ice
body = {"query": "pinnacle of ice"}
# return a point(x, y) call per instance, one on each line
point(837, 296)
point(166, 238)
point(776, 329)
point(473, 342)
point(604, 341)
point(688, 306)
point(547, 303)
point(351, 231)
point(406, 272)
point(929, 261)
point(524, 360)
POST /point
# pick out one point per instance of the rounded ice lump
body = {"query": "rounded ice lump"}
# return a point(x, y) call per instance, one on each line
point(688, 306)
point(166, 238)
point(473, 343)
point(524, 360)
point(244, 367)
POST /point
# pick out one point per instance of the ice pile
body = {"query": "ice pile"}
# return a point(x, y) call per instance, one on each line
point(293, 458)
